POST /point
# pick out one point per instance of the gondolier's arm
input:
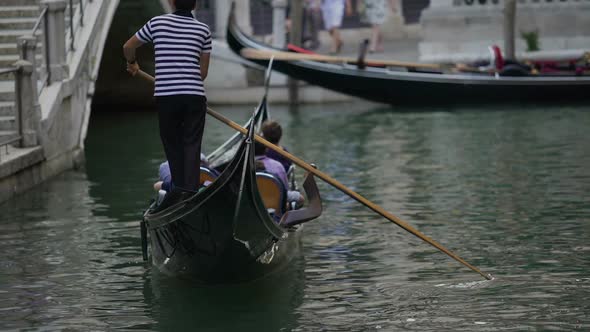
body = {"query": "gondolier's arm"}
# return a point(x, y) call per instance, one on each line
point(129, 52)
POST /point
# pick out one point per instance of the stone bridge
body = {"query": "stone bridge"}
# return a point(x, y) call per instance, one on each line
point(59, 59)
point(50, 51)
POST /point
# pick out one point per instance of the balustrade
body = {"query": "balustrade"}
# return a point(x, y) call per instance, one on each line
point(26, 115)
point(75, 17)
point(55, 30)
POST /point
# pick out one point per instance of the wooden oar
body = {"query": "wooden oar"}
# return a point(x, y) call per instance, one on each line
point(376, 208)
point(256, 54)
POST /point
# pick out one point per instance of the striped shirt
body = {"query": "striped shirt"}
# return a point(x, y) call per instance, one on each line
point(179, 40)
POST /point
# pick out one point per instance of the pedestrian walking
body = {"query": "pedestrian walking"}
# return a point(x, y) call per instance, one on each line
point(182, 51)
point(333, 13)
point(311, 23)
point(375, 13)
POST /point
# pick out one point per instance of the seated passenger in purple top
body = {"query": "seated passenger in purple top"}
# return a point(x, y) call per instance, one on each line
point(272, 132)
point(275, 168)
point(270, 165)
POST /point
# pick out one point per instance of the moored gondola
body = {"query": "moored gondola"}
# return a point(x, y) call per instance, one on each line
point(224, 233)
point(417, 86)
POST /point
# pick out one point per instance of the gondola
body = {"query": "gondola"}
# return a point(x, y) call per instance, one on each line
point(224, 233)
point(415, 86)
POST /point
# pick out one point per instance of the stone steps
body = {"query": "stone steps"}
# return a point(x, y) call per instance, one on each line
point(17, 18)
point(6, 61)
point(10, 77)
point(18, 11)
point(11, 49)
point(10, 36)
point(6, 108)
point(17, 23)
point(6, 91)
point(7, 76)
point(8, 48)
point(20, 2)
point(6, 135)
point(7, 123)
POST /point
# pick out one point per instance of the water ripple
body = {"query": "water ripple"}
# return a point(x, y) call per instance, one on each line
point(506, 189)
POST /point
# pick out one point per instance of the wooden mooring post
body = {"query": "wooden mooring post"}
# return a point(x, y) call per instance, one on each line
point(295, 37)
point(509, 29)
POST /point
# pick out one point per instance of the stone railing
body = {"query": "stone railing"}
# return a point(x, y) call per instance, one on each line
point(56, 16)
point(51, 25)
point(75, 18)
point(25, 116)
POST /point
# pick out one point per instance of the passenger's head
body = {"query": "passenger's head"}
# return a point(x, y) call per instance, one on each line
point(260, 166)
point(183, 4)
point(272, 131)
point(259, 149)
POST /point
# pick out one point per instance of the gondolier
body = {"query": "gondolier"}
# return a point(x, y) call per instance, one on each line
point(182, 51)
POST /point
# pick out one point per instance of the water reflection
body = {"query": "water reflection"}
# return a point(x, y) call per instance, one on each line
point(267, 304)
point(507, 189)
point(63, 266)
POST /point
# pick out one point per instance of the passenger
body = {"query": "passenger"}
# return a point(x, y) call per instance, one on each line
point(272, 132)
point(165, 177)
point(275, 168)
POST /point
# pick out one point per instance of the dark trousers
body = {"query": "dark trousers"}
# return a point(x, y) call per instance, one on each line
point(312, 20)
point(182, 122)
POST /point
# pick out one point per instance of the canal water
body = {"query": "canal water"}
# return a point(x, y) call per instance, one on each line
point(506, 188)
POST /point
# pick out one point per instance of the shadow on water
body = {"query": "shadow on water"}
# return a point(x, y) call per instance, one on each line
point(122, 164)
point(267, 304)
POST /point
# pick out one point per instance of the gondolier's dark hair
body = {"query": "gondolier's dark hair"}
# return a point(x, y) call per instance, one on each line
point(272, 131)
point(185, 4)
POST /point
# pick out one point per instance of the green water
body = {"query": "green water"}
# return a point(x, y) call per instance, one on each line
point(506, 188)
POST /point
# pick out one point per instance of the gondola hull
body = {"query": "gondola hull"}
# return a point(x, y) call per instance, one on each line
point(224, 233)
point(420, 88)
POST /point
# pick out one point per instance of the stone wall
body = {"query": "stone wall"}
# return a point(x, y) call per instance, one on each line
point(461, 30)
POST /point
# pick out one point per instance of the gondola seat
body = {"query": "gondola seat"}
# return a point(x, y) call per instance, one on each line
point(272, 192)
point(207, 176)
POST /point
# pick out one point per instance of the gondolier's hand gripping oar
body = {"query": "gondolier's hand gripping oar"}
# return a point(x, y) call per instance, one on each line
point(337, 185)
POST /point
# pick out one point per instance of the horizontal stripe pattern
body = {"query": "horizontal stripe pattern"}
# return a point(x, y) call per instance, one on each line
point(179, 42)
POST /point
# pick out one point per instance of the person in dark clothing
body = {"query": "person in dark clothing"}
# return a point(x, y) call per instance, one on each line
point(272, 131)
point(182, 51)
point(311, 24)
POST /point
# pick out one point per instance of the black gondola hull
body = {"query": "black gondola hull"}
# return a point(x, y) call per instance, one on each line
point(420, 88)
point(224, 233)
point(221, 234)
